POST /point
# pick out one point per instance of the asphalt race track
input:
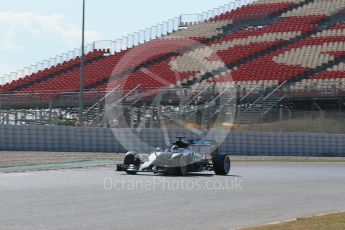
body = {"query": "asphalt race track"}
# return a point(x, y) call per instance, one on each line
point(99, 198)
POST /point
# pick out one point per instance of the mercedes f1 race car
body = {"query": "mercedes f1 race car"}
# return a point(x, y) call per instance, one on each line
point(179, 159)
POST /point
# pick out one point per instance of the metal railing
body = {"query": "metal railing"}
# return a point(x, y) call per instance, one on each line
point(319, 90)
point(285, 90)
point(19, 107)
point(275, 90)
point(253, 90)
point(188, 19)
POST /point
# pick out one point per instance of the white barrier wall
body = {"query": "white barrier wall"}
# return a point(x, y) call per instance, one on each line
point(70, 139)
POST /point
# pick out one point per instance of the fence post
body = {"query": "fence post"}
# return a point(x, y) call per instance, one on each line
point(121, 44)
point(125, 41)
point(321, 121)
point(147, 34)
point(167, 28)
point(281, 114)
point(142, 34)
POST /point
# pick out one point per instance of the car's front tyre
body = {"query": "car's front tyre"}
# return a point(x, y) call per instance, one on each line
point(183, 169)
point(132, 163)
point(180, 165)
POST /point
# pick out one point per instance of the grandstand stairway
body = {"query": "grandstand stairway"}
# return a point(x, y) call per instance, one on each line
point(231, 28)
point(263, 105)
point(256, 111)
point(98, 113)
point(209, 110)
point(258, 47)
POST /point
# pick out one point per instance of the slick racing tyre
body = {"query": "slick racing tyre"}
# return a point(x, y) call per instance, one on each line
point(179, 165)
point(183, 169)
point(221, 164)
point(132, 164)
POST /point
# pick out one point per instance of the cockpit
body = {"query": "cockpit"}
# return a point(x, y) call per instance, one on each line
point(181, 143)
point(174, 149)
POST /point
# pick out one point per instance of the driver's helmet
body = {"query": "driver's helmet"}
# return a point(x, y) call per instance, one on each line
point(174, 149)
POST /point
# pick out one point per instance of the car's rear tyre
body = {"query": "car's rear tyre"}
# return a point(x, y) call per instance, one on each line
point(221, 164)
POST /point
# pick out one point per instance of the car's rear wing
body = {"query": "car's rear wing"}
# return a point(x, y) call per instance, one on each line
point(204, 142)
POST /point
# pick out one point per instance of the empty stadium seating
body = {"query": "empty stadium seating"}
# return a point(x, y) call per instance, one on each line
point(287, 46)
point(102, 69)
point(35, 77)
point(295, 59)
point(235, 46)
point(256, 10)
point(317, 7)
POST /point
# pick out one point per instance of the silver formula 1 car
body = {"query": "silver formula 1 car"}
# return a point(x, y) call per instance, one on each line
point(179, 159)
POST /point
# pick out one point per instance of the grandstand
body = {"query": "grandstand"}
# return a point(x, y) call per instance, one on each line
point(263, 57)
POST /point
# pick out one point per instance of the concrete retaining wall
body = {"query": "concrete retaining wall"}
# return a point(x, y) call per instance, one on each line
point(70, 139)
